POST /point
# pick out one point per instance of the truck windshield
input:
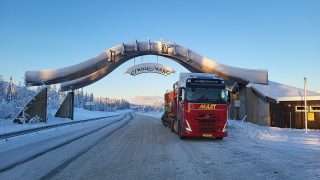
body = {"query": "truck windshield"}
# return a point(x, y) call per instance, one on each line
point(206, 94)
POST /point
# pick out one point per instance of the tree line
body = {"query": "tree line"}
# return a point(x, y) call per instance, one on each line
point(14, 96)
point(87, 101)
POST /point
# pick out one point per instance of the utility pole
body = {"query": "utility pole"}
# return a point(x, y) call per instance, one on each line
point(289, 105)
point(305, 105)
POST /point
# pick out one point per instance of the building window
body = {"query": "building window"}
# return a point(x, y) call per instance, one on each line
point(301, 109)
point(315, 108)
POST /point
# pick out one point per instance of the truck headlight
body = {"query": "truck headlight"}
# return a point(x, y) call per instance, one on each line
point(225, 127)
point(188, 128)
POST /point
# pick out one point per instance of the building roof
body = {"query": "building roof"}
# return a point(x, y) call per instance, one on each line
point(281, 92)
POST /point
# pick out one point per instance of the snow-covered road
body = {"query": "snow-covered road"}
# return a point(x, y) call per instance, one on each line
point(143, 149)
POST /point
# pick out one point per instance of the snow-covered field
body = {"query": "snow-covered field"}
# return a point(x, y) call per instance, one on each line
point(7, 126)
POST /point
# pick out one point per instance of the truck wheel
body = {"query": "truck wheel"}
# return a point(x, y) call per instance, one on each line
point(218, 138)
point(175, 127)
point(172, 125)
point(163, 119)
point(180, 131)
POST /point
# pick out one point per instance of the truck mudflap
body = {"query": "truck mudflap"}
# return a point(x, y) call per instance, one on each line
point(165, 120)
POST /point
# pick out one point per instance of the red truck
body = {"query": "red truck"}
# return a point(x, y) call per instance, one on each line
point(201, 106)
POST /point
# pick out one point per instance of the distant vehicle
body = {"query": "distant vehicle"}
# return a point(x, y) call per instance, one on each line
point(199, 107)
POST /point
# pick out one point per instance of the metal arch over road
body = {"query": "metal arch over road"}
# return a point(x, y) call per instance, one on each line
point(92, 70)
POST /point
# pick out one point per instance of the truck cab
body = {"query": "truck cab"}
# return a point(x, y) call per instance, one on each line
point(202, 106)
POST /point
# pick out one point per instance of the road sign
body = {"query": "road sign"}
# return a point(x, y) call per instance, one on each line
point(310, 116)
point(150, 68)
point(89, 103)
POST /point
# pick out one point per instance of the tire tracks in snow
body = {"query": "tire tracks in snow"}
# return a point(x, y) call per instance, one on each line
point(76, 156)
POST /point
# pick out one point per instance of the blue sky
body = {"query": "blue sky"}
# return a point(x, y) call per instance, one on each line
point(281, 36)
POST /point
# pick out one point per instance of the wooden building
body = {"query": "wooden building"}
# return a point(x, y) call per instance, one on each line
point(275, 105)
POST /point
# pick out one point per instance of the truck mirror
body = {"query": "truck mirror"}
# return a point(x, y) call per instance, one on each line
point(229, 97)
point(181, 93)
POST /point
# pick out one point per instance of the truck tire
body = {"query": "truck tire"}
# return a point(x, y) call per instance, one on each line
point(179, 130)
point(171, 125)
point(175, 127)
point(218, 138)
point(163, 119)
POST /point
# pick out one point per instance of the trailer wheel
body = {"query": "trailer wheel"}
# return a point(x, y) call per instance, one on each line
point(171, 125)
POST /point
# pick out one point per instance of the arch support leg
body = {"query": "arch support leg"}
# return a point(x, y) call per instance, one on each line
point(35, 108)
point(66, 110)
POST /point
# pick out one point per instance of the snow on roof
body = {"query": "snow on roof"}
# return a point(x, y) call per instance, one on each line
point(185, 76)
point(282, 92)
point(198, 75)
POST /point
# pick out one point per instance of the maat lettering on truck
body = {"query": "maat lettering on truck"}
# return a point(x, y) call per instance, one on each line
point(207, 106)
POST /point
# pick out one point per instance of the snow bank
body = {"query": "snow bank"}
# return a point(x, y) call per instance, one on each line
point(291, 138)
point(7, 126)
point(155, 114)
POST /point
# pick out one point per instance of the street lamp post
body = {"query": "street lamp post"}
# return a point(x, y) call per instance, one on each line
point(305, 105)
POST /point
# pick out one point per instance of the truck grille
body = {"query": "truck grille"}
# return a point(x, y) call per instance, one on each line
point(207, 122)
point(207, 116)
point(207, 125)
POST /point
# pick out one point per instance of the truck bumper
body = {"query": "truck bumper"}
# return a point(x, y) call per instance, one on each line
point(205, 134)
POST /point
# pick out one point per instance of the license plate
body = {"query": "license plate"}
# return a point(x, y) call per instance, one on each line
point(207, 135)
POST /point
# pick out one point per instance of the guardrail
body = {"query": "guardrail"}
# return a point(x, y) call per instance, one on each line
point(37, 129)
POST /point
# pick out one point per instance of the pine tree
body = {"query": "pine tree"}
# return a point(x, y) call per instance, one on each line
point(76, 98)
point(82, 100)
point(11, 91)
point(15, 97)
point(53, 97)
point(2, 91)
point(91, 98)
point(62, 95)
